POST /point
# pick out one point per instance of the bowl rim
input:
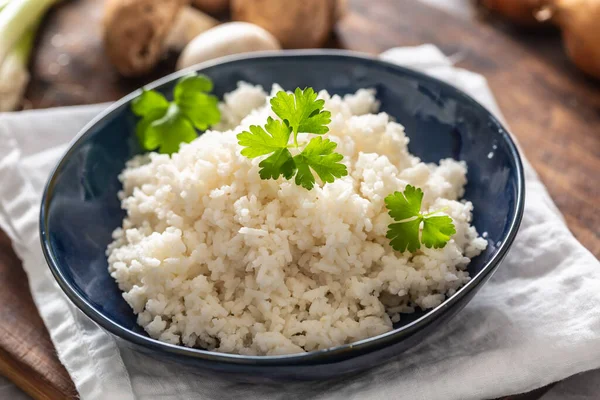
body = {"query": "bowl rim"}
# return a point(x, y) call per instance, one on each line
point(329, 355)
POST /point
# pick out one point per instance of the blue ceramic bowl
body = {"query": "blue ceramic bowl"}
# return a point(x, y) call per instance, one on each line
point(80, 208)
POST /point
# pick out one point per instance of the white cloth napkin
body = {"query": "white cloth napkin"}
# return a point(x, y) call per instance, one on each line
point(537, 321)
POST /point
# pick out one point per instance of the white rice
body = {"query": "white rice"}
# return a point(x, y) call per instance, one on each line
point(212, 256)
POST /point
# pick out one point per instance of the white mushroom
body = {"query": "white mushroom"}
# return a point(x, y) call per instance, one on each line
point(226, 39)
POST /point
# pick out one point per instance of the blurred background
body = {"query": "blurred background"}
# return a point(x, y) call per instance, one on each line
point(89, 51)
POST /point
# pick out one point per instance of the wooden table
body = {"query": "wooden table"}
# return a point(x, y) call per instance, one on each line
point(552, 109)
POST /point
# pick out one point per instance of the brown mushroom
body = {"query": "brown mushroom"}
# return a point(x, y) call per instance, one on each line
point(521, 12)
point(296, 24)
point(137, 32)
point(577, 19)
point(579, 22)
point(213, 7)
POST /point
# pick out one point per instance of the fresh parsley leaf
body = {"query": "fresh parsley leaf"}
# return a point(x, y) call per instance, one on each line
point(437, 230)
point(405, 208)
point(304, 177)
point(168, 132)
point(149, 141)
point(405, 235)
point(302, 111)
point(272, 139)
point(165, 125)
point(192, 98)
point(299, 112)
point(405, 205)
point(149, 101)
point(259, 142)
point(192, 83)
point(278, 163)
point(318, 155)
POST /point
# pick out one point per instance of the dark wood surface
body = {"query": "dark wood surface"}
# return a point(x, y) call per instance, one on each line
point(27, 356)
point(552, 109)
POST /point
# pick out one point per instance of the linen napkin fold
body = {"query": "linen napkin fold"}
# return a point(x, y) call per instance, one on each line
point(535, 322)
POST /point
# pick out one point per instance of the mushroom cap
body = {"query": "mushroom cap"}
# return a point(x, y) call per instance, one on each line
point(296, 24)
point(214, 7)
point(134, 32)
point(522, 12)
point(578, 20)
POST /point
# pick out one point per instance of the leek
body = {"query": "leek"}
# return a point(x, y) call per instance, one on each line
point(16, 18)
point(14, 75)
point(19, 20)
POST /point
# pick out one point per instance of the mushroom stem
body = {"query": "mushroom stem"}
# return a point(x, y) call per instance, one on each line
point(138, 32)
point(188, 24)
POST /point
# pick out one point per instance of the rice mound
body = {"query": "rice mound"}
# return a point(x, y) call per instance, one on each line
point(212, 256)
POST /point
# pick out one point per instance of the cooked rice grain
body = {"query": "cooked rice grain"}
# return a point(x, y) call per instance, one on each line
point(212, 256)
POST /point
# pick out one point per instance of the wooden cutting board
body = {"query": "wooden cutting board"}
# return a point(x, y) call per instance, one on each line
point(553, 110)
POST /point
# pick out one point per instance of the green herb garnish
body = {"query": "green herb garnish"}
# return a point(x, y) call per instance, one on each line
point(165, 125)
point(302, 111)
point(405, 208)
point(299, 112)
